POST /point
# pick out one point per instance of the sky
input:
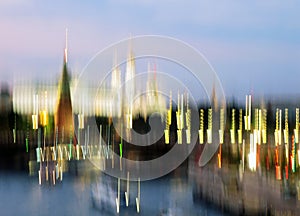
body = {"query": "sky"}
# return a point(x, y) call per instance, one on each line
point(254, 46)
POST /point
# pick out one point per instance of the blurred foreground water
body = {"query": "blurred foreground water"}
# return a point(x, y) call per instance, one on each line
point(21, 194)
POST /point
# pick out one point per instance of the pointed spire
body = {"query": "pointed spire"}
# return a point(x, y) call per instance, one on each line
point(63, 116)
point(214, 99)
point(66, 48)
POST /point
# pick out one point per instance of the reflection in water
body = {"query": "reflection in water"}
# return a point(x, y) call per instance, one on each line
point(165, 196)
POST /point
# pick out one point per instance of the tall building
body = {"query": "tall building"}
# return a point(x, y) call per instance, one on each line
point(63, 116)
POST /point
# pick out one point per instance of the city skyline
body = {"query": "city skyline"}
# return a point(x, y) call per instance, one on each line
point(248, 45)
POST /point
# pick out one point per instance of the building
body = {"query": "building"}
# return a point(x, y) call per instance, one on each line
point(63, 116)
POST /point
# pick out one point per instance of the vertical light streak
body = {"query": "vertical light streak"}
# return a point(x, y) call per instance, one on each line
point(232, 131)
point(127, 190)
point(138, 198)
point(118, 198)
point(240, 131)
point(221, 131)
point(209, 128)
point(201, 129)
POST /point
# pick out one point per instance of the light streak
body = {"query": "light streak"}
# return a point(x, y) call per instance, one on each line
point(252, 153)
point(296, 131)
point(209, 128)
point(40, 177)
point(138, 198)
point(221, 131)
point(232, 130)
point(46, 172)
point(127, 190)
point(118, 198)
point(201, 128)
point(264, 126)
point(243, 156)
point(26, 141)
point(277, 166)
point(240, 130)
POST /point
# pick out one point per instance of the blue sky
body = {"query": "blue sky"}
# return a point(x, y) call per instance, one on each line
point(253, 46)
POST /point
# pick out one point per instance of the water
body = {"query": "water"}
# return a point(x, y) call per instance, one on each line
point(21, 194)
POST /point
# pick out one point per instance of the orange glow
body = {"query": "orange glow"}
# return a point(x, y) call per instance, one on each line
point(220, 157)
point(277, 172)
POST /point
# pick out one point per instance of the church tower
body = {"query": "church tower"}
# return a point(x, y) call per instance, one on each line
point(63, 117)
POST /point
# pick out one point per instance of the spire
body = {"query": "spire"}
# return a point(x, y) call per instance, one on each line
point(66, 48)
point(63, 116)
point(214, 99)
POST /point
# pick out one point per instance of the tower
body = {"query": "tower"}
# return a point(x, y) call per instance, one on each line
point(214, 99)
point(63, 117)
point(129, 89)
point(116, 89)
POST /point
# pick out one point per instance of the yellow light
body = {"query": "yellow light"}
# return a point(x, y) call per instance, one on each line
point(210, 119)
point(286, 129)
point(169, 118)
point(247, 122)
point(232, 130)
point(201, 128)
point(209, 129)
point(232, 136)
point(179, 136)
point(167, 138)
point(81, 121)
point(35, 122)
point(188, 136)
point(240, 137)
point(264, 136)
point(241, 120)
point(201, 138)
point(43, 118)
point(264, 128)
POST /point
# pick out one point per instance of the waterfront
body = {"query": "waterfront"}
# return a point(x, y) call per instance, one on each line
point(160, 156)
